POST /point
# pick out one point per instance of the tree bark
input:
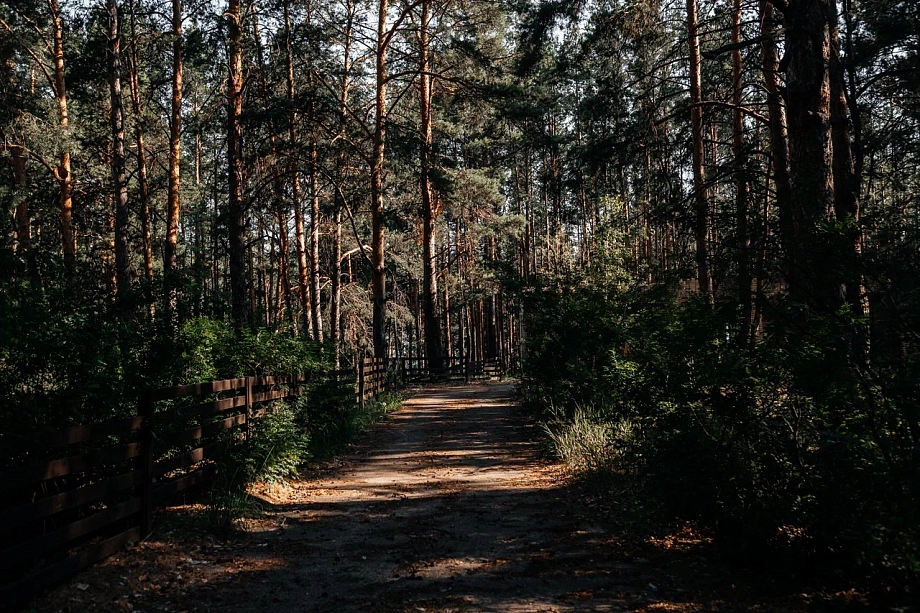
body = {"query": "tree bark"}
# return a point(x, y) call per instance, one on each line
point(63, 172)
point(303, 290)
point(143, 188)
point(22, 216)
point(239, 304)
point(378, 282)
point(341, 168)
point(779, 144)
point(433, 347)
point(175, 153)
point(741, 181)
point(810, 153)
point(846, 184)
point(119, 174)
point(700, 190)
point(315, 305)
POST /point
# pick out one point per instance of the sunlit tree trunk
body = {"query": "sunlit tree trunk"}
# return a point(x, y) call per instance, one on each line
point(63, 171)
point(239, 306)
point(335, 307)
point(303, 289)
point(316, 312)
point(433, 347)
point(175, 153)
point(142, 183)
point(119, 175)
point(700, 190)
point(378, 282)
point(22, 216)
point(779, 145)
point(846, 184)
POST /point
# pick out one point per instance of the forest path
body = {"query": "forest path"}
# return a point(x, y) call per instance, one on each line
point(446, 506)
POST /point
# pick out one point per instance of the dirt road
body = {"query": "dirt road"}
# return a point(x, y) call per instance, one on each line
point(447, 506)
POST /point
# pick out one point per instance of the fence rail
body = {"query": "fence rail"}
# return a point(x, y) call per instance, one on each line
point(376, 375)
point(80, 494)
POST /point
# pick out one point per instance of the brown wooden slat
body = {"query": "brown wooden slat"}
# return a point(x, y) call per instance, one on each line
point(36, 473)
point(198, 389)
point(273, 395)
point(208, 429)
point(17, 593)
point(207, 409)
point(170, 489)
point(25, 552)
point(190, 458)
point(279, 380)
point(74, 434)
point(29, 513)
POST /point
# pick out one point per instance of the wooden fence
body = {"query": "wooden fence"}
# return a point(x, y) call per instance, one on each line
point(376, 375)
point(79, 495)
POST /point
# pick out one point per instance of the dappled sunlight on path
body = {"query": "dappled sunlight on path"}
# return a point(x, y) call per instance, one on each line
point(446, 506)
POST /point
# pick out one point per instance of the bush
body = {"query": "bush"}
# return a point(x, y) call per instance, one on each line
point(786, 446)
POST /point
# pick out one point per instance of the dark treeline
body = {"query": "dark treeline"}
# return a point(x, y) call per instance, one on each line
point(693, 225)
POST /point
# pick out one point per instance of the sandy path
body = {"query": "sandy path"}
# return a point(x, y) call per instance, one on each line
point(446, 506)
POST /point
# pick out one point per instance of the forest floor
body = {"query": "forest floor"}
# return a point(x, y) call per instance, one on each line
point(448, 505)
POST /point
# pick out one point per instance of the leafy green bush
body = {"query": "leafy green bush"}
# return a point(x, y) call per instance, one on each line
point(786, 446)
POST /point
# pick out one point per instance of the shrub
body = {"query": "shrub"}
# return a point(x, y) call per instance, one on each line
point(786, 446)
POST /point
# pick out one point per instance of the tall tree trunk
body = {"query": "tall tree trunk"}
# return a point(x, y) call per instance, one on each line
point(22, 216)
point(846, 184)
point(303, 289)
point(433, 348)
point(810, 153)
point(63, 171)
point(142, 184)
point(315, 305)
point(341, 167)
point(335, 306)
point(119, 175)
point(700, 190)
point(240, 309)
point(741, 181)
point(378, 282)
point(303, 286)
point(175, 156)
point(779, 144)
point(283, 288)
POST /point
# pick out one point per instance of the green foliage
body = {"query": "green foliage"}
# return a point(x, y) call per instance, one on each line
point(317, 424)
point(788, 446)
point(584, 441)
point(334, 424)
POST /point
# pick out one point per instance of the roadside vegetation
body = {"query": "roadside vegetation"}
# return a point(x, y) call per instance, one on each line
point(786, 450)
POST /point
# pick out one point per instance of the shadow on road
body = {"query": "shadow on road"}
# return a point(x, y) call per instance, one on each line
point(448, 506)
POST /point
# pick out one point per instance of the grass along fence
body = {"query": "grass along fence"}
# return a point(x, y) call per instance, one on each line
point(73, 497)
point(81, 494)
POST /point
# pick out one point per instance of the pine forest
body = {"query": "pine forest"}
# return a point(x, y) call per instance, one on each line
point(688, 229)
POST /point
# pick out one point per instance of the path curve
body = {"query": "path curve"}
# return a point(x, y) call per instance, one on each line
point(448, 505)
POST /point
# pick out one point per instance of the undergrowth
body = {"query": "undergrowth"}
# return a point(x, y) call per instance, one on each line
point(315, 426)
point(783, 449)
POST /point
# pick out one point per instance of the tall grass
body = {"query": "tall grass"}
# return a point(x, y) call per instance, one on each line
point(586, 442)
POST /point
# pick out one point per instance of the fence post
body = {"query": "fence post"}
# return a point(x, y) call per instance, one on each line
point(248, 408)
point(146, 412)
point(360, 360)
